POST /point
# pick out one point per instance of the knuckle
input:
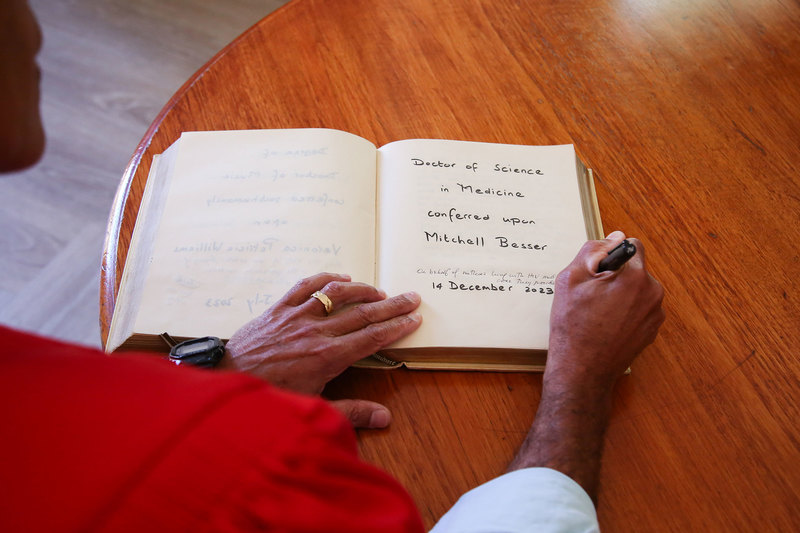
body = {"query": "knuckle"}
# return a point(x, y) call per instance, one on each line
point(378, 333)
point(396, 304)
point(589, 249)
point(402, 302)
point(303, 285)
point(590, 246)
point(333, 289)
point(365, 313)
point(310, 283)
point(563, 278)
point(657, 291)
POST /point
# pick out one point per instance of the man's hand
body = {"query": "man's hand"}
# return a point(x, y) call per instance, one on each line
point(296, 345)
point(598, 324)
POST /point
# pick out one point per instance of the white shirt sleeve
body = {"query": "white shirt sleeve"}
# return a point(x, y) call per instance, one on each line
point(531, 499)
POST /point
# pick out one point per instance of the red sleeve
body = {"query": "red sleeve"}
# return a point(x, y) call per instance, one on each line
point(91, 442)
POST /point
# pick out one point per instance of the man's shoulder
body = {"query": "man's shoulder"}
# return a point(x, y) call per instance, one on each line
point(92, 434)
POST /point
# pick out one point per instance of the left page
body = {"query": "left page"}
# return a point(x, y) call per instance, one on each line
point(249, 213)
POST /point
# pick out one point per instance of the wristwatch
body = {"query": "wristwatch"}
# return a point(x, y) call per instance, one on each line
point(204, 352)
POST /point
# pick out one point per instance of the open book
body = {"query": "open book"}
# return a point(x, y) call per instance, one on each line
point(230, 220)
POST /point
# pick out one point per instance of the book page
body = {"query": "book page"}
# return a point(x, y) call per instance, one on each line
point(480, 231)
point(250, 213)
point(140, 250)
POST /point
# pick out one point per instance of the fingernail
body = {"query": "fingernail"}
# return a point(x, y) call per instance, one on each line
point(415, 316)
point(380, 418)
point(382, 293)
point(413, 296)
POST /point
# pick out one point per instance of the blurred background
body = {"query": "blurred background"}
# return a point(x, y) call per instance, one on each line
point(108, 66)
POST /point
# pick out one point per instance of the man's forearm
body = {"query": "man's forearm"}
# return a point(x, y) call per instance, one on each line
point(568, 432)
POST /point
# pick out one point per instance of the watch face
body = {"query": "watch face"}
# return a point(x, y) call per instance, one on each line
point(194, 347)
point(205, 352)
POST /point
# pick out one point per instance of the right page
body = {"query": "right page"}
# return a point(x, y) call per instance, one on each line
point(480, 231)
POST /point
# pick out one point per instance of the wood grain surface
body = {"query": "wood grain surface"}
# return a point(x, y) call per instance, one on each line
point(688, 113)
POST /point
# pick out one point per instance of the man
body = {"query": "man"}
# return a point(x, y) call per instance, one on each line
point(91, 442)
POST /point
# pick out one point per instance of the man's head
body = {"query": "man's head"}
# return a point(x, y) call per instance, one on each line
point(21, 131)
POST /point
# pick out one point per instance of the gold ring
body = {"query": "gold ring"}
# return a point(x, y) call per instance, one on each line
point(322, 297)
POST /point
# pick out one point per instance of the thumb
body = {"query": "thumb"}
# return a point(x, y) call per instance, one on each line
point(364, 414)
point(602, 248)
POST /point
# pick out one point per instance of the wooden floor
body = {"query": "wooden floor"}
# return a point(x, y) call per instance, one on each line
point(96, 107)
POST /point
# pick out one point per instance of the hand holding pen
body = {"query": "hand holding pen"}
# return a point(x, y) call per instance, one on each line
point(617, 257)
point(601, 321)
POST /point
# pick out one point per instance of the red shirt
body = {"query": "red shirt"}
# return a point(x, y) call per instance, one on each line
point(92, 442)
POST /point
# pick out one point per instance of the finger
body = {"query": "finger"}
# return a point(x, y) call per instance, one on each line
point(613, 239)
point(374, 337)
point(364, 414)
point(342, 294)
point(304, 288)
point(372, 313)
point(596, 251)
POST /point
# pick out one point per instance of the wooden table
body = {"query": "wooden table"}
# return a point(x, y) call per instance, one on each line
point(687, 111)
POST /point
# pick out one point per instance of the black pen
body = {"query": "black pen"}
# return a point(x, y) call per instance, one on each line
point(617, 257)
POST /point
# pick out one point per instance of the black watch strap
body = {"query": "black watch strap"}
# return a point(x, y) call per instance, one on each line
point(205, 352)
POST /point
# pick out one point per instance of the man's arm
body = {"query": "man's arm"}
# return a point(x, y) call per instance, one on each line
point(567, 435)
point(599, 324)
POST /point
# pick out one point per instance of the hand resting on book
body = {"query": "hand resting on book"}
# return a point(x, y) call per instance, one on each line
point(296, 345)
